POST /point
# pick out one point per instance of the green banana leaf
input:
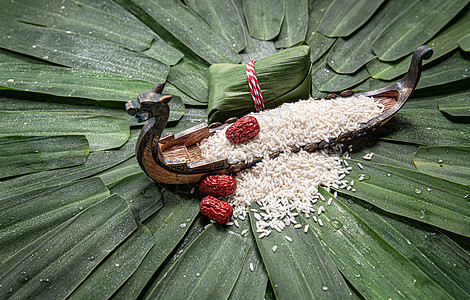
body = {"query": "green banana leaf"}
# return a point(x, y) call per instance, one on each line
point(82, 242)
point(343, 18)
point(385, 152)
point(168, 226)
point(199, 224)
point(119, 171)
point(310, 272)
point(95, 163)
point(412, 194)
point(71, 82)
point(318, 42)
point(447, 71)
point(360, 252)
point(248, 283)
point(79, 51)
point(349, 54)
point(464, 43)
point(102, 132)
point(224, 18)
point(424, 18)
point(122, 263)
point(35, 213)
point(256, 50)
point(173, 20)
point(191, 78)
point(456, 105)
point(443, 43)
point(264, 17)
point(29, 154)
point(170, 89)
point(7, 56)
point(426, 127)
point(196, 274)
point(450, 163)
point(68, 15)
point(141, 194)
point(294, 25)
point(325, 79)
point(421, 244)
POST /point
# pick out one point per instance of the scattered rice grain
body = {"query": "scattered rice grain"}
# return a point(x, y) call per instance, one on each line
point(289, 182)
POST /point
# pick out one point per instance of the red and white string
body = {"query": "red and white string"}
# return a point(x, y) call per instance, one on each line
point(254, 86)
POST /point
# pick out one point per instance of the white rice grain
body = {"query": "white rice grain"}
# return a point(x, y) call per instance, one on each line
point(288, 184)
point(288, 126)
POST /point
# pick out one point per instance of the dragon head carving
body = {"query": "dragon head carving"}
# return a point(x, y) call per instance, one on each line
point(149, 104)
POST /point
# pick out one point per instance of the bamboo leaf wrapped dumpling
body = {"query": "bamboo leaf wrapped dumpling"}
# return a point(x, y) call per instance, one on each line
point(283, 77)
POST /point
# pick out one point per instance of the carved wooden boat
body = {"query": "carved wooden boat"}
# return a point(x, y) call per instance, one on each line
point(176, 158)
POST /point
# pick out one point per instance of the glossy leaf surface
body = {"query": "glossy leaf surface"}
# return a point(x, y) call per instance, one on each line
point(414, 195)
point(196, 274)
point(343, 18)
point(29, 154)
point(168, 226)
point(81, 242)
point(443, 43)
point(450, 163)
point(416, 25)
point(359, 252)
point(102, 132)
point(224, 18)
point(456, 105)
point(33, 214)
point(310, 272)
point(423, 245)
point(294, 25)
point(96, 162)
point(264, 18)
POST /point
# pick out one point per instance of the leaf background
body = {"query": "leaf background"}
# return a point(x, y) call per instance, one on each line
point(91, 224)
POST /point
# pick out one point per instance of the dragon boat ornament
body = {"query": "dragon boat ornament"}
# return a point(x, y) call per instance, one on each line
point(176, 158)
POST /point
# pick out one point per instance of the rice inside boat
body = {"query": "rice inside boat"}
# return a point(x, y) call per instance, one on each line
point(177, 159)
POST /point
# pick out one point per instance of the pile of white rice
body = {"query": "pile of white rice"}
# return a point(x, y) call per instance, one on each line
point(294, 125)
point(289, 182)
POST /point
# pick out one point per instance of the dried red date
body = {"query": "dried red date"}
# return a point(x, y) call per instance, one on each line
point(218, 185)
point(242, 130)
point(216, 210)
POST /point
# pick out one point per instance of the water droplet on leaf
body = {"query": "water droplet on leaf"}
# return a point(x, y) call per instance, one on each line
point(336, 224)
